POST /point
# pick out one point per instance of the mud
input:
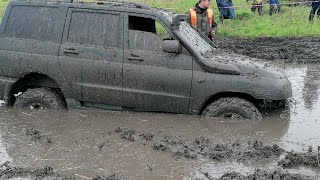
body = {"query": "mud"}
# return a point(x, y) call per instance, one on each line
point(297, 159)
point(111, 177)
point(203, 147)
point(265, 175)
point(133, 135)
point(87, 144)
point(8, 171)
point(36, 135)
point(299, 50)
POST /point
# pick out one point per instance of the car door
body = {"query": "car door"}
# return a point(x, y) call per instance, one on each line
point(154, 80)
point(91, 56)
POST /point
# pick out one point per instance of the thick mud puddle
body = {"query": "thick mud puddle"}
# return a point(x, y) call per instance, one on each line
point(94, 144)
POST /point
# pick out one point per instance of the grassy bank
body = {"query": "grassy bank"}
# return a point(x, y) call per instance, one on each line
point(293, 22)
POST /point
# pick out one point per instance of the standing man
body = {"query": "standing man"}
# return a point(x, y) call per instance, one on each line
point(201, 17)
point(315, 9)
point(226, 10)
point(278, 4)
point(257, 4)
point(272, 7)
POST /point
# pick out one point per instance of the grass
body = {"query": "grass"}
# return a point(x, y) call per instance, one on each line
point(3, 5)
point(293, 22)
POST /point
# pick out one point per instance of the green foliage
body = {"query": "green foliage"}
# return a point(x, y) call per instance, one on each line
point(3, 5)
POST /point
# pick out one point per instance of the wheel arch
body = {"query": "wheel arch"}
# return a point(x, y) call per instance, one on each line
point(219, 95)
point(33, 80)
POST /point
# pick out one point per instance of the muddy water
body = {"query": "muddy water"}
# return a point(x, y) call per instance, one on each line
point(83, 143)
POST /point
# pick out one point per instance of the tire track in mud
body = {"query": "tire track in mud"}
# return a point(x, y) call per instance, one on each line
point(300, 50)
point(199, 148)
point(232, 151)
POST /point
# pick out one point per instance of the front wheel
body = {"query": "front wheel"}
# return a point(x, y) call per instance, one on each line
point(39, 98)
point(232, 107)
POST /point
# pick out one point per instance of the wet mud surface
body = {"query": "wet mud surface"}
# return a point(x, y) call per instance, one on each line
point(299, 50)
point(97, 144)
point(264, 175)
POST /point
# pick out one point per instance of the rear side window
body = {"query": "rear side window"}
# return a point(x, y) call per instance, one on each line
point(40, 23)
point(94, 28)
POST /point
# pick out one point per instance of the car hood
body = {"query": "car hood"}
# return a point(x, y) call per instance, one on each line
point(247, 66)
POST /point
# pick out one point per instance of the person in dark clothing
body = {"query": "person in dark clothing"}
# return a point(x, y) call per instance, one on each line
point(201, 18)
point(226, 10)
point(256, 5)
point(272, 7)
point(275, 7)
point(278, 4)
point(315, 9)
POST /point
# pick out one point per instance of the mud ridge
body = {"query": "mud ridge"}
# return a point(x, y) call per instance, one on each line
point(8, 171)
point(37, 135)
point(133, 135)
point(203, 148)
point(264, 175)
point(299, 50)
point(232, 151)
point(296, 159)
point(111, 177)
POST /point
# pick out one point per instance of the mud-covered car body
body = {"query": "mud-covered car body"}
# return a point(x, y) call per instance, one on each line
point(108, 55)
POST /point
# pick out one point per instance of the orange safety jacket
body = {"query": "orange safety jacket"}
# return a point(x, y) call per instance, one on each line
point(194, 18)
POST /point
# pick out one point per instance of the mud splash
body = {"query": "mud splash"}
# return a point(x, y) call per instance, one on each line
point(300, 50)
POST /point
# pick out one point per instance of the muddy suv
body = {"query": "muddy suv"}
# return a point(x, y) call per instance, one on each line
point(125, 56)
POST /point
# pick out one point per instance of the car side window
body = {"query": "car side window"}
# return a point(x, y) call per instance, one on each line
point(94, 28)
point(31, 22)
point(146, 34)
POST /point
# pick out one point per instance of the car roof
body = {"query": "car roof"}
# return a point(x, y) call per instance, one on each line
point(121, 5)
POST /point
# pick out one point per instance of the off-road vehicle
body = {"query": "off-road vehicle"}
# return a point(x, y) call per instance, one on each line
point(125, 56)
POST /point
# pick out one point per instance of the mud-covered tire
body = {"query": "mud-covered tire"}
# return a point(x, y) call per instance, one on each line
point(232, 107)
point(40, 98)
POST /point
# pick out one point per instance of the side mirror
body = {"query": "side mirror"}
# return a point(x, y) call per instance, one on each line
point(172, 46)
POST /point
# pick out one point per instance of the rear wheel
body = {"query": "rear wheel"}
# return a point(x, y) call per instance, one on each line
point(232, 107)
point(39, 98)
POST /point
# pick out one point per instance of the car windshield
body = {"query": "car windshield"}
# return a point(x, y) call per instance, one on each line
point(193, 37)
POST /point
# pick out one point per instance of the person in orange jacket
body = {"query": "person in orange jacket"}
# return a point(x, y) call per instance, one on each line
point(201, 17)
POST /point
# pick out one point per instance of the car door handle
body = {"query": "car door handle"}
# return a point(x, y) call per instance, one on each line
point(71, 51)
point(134, 57)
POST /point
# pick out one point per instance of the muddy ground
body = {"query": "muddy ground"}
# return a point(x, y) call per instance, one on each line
point(298, 50)
point(109, 145)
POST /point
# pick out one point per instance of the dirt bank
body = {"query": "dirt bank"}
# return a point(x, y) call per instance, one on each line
point(299, 50)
